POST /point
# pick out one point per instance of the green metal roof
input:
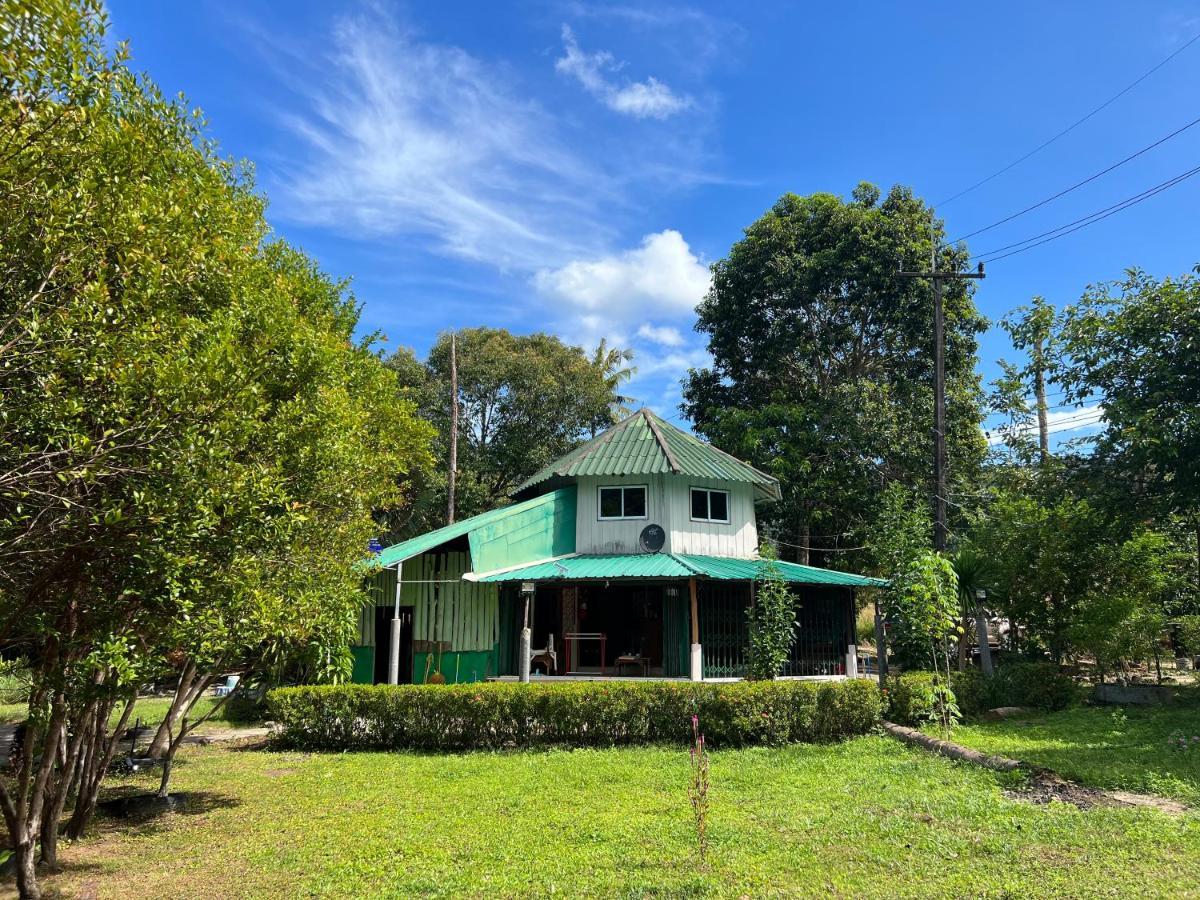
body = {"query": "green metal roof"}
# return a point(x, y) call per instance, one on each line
point(520, 532)
point(644, 444)
point(672, 565)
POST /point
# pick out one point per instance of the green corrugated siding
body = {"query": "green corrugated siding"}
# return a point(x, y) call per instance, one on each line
point(631, 448)
point(545, 513)
point(458, 668)
point(526, 534)
point(464, 614)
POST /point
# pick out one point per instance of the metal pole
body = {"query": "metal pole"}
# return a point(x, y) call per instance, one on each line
point(394, 657)
point(880, 647)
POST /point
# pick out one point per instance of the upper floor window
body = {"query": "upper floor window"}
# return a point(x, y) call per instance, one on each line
point(709, 505)
point(624, 502)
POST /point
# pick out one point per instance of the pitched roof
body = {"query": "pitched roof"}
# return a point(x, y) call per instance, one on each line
point(644, 444)
point(543, 516)
point(672, 565)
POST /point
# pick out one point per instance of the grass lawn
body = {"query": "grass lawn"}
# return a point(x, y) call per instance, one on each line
point(867, 817)
point(151, 710)
point(1128, 748)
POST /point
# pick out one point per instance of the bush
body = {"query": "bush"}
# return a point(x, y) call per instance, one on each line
point(580, 714)
point(1034, 684)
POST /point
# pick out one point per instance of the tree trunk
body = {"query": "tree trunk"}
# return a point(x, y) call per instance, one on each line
point(57, 801)
point(802, 541)
point(452, 474)
point(1039, 388)
point(180, 704)
point(985, 649)
point(164, 784)
point(101, 750)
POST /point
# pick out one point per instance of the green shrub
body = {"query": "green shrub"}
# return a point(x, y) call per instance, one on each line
point(579, 714)
point(1038, 685)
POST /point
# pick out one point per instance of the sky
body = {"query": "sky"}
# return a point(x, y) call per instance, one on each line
point(576, 167)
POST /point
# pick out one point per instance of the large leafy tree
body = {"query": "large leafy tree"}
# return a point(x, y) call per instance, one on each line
point(524, 400)
point(822, 367)
point(191, 440)
point(1134, 346)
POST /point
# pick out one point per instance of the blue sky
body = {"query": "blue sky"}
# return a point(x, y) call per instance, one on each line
point(575, 167)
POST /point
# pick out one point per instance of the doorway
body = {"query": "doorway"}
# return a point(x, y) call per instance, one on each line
point(383, 643)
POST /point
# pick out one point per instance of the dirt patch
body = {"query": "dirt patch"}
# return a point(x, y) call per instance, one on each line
point(1045, 786)
point(279, 773)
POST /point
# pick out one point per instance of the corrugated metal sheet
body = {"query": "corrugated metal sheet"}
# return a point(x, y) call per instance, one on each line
point(644, 444)
point(725, 568)
point(541, 527)
point(673, 565)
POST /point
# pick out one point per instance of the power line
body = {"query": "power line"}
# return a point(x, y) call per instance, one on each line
point(1079, 184)
point(1071, 227)
point(1042, 146)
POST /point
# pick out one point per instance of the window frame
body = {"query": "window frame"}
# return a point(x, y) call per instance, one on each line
point(728, 520)
point(600, 488)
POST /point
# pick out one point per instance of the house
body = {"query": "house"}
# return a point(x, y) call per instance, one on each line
point(634, 555)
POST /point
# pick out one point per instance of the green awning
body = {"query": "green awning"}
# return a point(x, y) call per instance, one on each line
point(671, 565)
point(521, 532)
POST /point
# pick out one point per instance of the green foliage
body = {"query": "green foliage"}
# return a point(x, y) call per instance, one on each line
point(583, 714)
point(901, 532)
point(822, 369)
point(772, 620)
point(1132, 347)
point(1188, 635)
point(912, 696)
point(922, 609)
point(524, 400)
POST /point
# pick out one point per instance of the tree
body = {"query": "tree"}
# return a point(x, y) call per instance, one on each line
point(822, 368)
point(191, 441)
point(1133, 347)
point(973, 573)
point(612, 364)
point(772, 620)
point(922, 607)
point(525, 400)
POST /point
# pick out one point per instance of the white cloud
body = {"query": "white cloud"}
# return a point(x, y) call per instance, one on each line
point(411, 138)
point(649, 99)
point(662, 277)
point(660, 334)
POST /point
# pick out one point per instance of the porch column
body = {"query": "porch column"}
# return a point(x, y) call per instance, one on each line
point(394, 655)
point(696, 668)
point(526, 641)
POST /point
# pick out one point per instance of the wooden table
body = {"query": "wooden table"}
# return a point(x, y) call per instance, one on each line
point(573, 637)
point(633, 659)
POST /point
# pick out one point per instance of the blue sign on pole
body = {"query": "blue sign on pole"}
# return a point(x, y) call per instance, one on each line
point(374, 546)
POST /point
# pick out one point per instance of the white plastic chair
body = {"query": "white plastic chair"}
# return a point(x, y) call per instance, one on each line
point(227, 688)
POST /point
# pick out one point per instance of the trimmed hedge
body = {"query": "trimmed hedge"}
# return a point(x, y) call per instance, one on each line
point(1033, 684)
point(496, 715)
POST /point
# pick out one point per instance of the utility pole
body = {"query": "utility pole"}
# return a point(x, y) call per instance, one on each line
point(1039, 390)
point(938, 278)
point(450, 476)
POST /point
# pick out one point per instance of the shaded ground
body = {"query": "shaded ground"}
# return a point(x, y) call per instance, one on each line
point(846, 819)
point(1123, 748)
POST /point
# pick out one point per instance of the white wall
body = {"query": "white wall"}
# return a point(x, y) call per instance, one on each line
point(668, 503)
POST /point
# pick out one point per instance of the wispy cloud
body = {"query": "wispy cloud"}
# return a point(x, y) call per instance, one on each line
point(640, 99)
point(411, 138)
point(660, 334)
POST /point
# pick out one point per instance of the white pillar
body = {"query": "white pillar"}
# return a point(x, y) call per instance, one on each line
point(394, 656)
point(852, 661)
point(697, 663)
point(523, 660)
point(985, 649)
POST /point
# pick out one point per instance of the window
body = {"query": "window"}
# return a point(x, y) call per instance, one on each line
point(623, 502)
point(710, 506)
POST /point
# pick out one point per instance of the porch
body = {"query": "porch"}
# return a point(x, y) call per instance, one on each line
point(634, 629)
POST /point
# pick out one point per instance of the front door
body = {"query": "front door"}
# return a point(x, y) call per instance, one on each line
point(383, 643)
